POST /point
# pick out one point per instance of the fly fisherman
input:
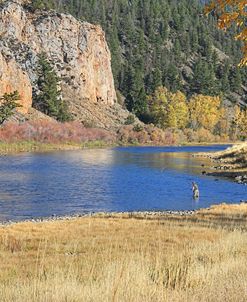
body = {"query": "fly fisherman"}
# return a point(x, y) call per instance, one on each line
point(195, 190)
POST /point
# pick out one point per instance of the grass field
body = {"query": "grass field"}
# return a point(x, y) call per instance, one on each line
point(124, 257)
point(33, 146)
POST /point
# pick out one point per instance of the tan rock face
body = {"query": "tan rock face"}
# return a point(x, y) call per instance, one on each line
point(77, 50)
point(13, 78)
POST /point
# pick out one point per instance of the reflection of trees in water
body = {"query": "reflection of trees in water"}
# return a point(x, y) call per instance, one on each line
point(7, 196)
point(166, 160)
point(98, 156)
point(156, 160)
point(89, 156)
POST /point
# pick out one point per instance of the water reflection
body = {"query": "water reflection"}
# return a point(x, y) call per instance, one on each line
point(166, 160)
point(120, 179)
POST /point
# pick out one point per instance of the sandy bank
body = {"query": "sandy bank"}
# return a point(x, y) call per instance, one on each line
point(231, 162)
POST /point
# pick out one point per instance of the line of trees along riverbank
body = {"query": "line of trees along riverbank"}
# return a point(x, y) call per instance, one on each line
point(200, 113)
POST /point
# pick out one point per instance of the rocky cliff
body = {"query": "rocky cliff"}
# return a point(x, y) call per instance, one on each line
point(77, 50)
point(12, 77)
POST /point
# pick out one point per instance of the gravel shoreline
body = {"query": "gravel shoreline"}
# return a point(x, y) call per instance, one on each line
point(133, 214)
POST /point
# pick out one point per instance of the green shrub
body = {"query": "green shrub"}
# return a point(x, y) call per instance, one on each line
point(138, 128)
point(8, 105)
point(130, 119)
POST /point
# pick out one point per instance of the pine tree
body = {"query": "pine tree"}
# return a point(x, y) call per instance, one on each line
point(156, 79)
point(9, 102)
point(225, 84)
point(171, 78)
point(42, 4)
point(204, 81)
point(140, 104)
point(48, 100)
point(235, 79)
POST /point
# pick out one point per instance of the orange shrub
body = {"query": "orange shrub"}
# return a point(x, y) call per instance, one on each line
point(52, 132)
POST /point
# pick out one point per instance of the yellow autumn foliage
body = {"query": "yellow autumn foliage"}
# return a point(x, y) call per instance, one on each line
point(240, 122)
point(205, 115)
point(204, 111)
point(232, 12)
point(243, 125)
point(225, 121)
point(181, 110)
point(169, 110)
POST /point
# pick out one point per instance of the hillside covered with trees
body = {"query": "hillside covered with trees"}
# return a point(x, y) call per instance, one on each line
point(163, 43)
point(173, 68)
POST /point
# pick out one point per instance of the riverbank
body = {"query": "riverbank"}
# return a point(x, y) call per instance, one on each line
point(33, 146)
point(231, 163)
point(41, 135)
point(127, 257)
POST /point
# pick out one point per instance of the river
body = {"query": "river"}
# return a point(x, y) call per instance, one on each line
point(117, 179)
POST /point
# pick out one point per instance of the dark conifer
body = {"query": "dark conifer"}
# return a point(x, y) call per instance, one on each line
point(48, 99)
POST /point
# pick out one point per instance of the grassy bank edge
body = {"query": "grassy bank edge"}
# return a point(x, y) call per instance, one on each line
point(229, 163)
point(223, 213)
point(34, 146)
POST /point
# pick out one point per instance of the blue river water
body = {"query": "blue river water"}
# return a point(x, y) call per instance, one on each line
point(116, 179)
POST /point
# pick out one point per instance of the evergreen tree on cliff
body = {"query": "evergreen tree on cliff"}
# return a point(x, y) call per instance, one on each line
point(9, 102)
point(48, 100)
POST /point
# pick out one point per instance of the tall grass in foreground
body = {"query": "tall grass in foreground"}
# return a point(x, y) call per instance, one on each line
point(116, 259)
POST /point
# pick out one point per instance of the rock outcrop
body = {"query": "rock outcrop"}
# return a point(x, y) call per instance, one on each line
point(77, 50)
point(12, 77)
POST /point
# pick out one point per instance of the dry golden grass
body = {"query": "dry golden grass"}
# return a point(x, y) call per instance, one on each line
point(235, 156)
point(140, 258)
point(237, 148)
point(232, 210)
point(231, 162)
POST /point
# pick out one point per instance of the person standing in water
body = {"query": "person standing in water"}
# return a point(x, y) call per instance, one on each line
point(195, 190)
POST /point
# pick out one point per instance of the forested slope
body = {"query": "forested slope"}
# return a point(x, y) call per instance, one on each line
point(163, 42)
